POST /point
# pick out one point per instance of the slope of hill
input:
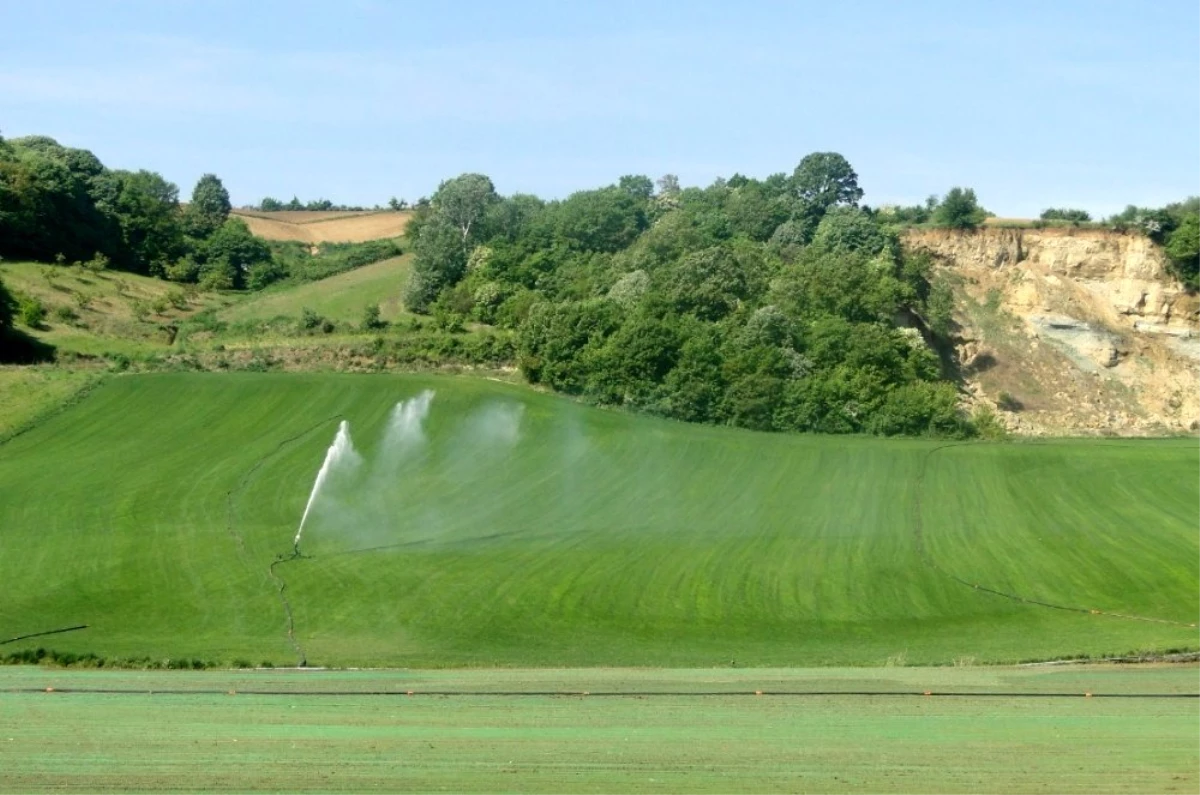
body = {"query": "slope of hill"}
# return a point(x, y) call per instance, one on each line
point(110, 312)
point(341, 298)
point(334, 226)
point(486, 524)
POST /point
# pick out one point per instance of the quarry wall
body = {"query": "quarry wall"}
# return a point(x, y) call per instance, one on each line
point(1066, 330)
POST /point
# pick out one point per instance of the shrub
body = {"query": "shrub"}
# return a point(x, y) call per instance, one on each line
point(261, 274)
point(959, 210)
point(1007, 402)
point(183, 270)
point(987, 425)
point(31, 311)
point(64, 314)
point(97, 264)
point(218, 274)
point(1066, 214)
point(309, 319)
point(177, 298)
point(160, 305)
point(371, 320)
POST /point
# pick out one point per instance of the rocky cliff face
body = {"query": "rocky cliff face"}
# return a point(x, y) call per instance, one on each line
point(1071, 330)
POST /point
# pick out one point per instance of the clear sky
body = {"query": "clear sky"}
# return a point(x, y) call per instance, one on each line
point(1079, 103)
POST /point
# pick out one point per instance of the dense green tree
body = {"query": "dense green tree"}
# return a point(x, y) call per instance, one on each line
point(824, 180)
point(1183, 249)
point(608, 219)
point(753, 212)
point(789, 238)
point(439, 261)
point(233, 244)
point(558, 343)
point(849, 230)
point(939, 308)
point(630, 367)
point(696, 385)
point(512, 216)
point(959, 209)
point(630, 289)
point(638, 186)
point(920, 408)
point(706, 283)
point(146, 208)
point(463, 202)
point(48, 197)
point(209, 207)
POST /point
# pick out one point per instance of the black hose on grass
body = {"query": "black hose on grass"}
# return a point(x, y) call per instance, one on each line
point(232, 495)
point(47, 632)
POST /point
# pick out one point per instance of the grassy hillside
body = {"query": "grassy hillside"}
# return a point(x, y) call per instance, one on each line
point(29, 393)
point(514, 528)
point(110, 312)
point(340, 298)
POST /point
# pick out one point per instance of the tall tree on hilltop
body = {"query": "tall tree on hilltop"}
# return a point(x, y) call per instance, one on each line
point(209, 207)
point(463, 201)
point(824, 180)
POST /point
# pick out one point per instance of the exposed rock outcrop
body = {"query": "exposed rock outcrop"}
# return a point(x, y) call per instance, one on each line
point(1072, 330)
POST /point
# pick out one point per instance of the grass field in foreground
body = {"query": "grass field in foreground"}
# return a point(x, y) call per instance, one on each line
point(517, 529)
point(200, 737)
point(341, 297)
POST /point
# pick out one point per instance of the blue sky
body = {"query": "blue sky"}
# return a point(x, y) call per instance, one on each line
point(1071, 102)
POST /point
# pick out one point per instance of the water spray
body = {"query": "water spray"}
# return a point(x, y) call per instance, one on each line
point(342, 450)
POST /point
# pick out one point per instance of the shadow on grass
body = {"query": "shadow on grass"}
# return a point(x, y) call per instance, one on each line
point(17, 347)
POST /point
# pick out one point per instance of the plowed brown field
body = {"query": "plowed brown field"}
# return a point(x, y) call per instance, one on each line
point(334, 226)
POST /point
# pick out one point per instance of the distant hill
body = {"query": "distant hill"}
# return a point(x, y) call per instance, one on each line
point(331, 226)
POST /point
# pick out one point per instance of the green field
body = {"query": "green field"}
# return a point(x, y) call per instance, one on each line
point(518, 529)
point(340, 298)
point(666, 731)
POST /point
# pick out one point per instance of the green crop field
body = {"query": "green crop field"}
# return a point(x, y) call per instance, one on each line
point(826, 730)
point(340, 298)
point(511, 528)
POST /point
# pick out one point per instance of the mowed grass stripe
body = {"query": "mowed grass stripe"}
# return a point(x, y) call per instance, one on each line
point(1111, 529)
point(528, 530)
point(673, 743)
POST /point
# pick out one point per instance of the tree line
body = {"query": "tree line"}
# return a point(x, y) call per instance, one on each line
point(60, 204)
point(775, 304)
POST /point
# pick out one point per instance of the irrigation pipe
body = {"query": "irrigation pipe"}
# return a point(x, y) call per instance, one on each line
point(230, 499)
